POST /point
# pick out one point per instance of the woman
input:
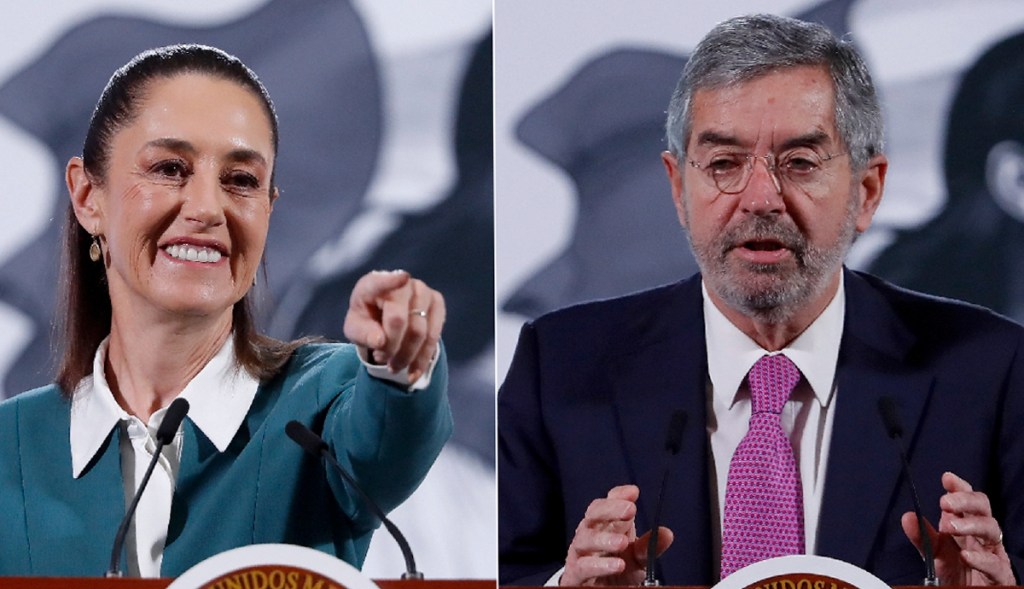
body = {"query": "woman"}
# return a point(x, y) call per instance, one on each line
point(170, 206)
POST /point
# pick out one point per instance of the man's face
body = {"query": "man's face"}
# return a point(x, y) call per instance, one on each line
point(772, 245)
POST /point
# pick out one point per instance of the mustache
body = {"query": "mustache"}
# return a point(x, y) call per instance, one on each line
point(777, 229)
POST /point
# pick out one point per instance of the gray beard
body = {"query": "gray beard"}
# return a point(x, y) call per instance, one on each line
point(787, 291)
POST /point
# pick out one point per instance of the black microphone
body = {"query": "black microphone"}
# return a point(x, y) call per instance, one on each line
point(887, 408)
point(673, 442)
point(315, 445)
point(164, 435)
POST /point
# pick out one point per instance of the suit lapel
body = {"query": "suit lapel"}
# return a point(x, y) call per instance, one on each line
point(863, 469)
point(70, 516)
point(664, 370)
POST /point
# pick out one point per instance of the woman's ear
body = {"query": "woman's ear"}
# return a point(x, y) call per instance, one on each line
point(84, 196)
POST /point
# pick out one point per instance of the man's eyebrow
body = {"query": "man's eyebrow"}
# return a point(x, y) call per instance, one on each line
point(815, 138)
point(705, 138)
point(812, 139)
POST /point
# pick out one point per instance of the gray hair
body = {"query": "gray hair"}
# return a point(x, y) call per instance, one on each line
point(746, 47)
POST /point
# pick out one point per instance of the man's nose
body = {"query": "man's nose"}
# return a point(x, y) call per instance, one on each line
point(763, 192)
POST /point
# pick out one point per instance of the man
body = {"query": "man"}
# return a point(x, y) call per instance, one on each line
point(775, 162)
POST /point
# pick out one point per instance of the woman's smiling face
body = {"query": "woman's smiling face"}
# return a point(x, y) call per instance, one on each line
point(185, 204)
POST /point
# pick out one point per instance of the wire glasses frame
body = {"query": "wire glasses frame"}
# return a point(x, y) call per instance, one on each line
point(802, 168)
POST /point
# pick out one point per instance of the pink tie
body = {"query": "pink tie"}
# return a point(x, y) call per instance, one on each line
point(764, 513)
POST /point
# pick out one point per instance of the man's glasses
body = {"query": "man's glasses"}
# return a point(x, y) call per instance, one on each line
point(801, 168)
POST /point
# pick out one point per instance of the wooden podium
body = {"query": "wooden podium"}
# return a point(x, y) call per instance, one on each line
point(102, 583)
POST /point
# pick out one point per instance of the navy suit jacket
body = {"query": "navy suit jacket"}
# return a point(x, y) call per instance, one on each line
point(585, 407)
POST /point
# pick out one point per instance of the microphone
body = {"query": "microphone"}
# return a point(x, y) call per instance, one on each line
point(164, 435)
point(887, 409)
point(315, 445)
point(673, 442)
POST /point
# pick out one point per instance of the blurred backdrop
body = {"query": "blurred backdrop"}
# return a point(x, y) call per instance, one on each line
point(584, 210)
point(385, 162)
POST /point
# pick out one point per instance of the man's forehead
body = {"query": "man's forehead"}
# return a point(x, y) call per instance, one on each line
point(780, 106)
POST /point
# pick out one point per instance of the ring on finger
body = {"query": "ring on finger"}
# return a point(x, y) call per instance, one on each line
point(418, 313)
point(998, 541)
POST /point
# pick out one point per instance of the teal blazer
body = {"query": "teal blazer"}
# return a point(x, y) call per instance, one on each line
point(264, 488)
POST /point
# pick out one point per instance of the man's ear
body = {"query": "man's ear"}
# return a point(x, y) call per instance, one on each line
point(85, 198)
point(869, 190)
point(675, 180)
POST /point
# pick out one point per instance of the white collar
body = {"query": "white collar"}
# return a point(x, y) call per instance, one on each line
point(219, 399)
point(731, 353)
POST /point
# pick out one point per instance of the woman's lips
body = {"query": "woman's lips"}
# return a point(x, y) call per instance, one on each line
point(193, 253)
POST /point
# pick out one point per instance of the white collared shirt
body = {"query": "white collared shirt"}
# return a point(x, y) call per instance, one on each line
point(806, 418)
point(219, 399)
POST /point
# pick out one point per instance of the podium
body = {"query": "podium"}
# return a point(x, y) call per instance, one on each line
point(102, 583)
point(794, 572)
point(258, 566)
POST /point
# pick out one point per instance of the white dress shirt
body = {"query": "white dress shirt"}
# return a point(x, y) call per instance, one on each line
point(219, 399)
point(806, 418)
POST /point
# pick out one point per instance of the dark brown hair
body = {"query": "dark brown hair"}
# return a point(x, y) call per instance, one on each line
point(85, 315)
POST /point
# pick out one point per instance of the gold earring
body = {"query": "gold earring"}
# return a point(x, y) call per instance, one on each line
point(95, 253)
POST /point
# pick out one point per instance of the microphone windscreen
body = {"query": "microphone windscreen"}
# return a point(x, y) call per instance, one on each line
point(303, 436)
point(887, 409)
point(674, 439)
point(172, 421)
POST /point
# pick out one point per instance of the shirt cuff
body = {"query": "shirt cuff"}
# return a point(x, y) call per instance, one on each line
point(400, 378)
point(555, 578)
